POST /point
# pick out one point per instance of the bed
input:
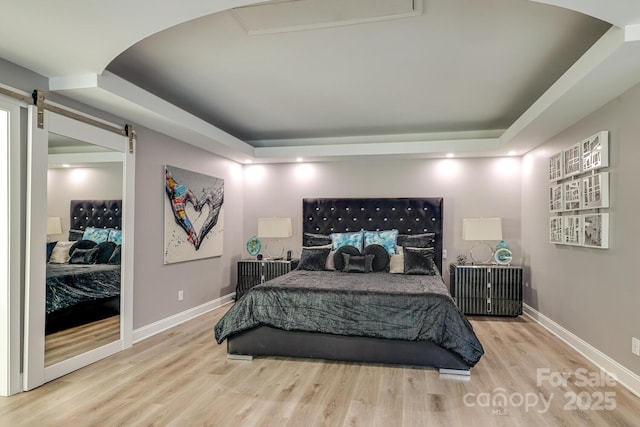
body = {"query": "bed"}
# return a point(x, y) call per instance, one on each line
point(377, 317)
point(85, 286)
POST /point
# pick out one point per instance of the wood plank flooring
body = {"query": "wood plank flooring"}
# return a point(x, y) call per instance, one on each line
point(181, 377)
point(67, 343)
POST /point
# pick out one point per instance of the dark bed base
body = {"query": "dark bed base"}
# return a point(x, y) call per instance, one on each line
point(267, 341)
point(81, 314)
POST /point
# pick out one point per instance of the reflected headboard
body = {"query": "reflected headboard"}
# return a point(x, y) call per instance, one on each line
point(95, 213)
point(407, 215)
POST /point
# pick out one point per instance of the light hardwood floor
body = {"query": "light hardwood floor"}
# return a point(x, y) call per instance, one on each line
point(67, 343)
point(181, 377)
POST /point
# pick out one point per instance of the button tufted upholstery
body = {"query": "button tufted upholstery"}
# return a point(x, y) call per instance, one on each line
point(96, 213)
point(408, 216)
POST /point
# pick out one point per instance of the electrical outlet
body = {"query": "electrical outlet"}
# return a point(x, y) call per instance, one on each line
point(444, 254)
point(180, 295)
point(635, 346)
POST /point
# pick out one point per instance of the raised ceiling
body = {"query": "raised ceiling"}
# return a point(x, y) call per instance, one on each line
point(477, 77)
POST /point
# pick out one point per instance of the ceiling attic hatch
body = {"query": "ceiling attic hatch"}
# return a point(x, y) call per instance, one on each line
point(296, 15)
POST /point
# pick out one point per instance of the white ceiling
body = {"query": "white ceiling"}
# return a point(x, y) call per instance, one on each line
point(477, 77)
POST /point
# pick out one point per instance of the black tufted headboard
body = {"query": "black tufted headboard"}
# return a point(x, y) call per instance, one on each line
point(408, 216)
point(96, 213)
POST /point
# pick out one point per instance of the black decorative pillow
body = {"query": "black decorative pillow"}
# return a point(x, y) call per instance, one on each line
point(116, 255)
point(338, 260)
point(313, 259)
point(424, 240)
point(75, 235)
point(419, 261)
point(358, 263)
point(50, 246)
point(381, 260)
point(310, 239)
point(81, 244)
point(105, 250)
point(83, 256)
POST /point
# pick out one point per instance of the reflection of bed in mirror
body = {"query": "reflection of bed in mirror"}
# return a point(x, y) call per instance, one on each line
point(83, 273)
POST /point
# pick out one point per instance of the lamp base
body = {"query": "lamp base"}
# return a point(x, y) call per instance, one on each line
point(483, 254)
point(274, 250)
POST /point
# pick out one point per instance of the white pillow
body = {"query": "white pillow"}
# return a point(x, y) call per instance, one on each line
point(60, 253)
point(396, 262)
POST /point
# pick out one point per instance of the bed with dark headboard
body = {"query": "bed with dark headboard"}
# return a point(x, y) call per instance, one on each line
point(429, 338)
point(86, 286)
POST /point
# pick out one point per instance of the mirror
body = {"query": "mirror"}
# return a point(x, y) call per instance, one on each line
point(84, 240)
point(100, 167)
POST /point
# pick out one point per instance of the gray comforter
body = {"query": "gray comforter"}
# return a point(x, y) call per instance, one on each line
point(380, 305)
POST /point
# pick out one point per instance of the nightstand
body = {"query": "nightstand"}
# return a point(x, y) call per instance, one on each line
point(487, 289)
point(252, 272)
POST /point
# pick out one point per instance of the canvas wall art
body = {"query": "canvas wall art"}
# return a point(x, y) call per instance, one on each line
point(193, 215)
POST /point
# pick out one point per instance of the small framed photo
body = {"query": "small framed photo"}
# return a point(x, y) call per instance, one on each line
point(595, 151)
point(555, 230)
point(572, 195)
point(595, 230)
point(556, 201)
point(555, 167)
point(572, 156)
point(595, 191)
point(572, 230)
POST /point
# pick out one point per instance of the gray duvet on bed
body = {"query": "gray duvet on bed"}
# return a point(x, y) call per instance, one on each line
point(72, 284)
point(380, 305)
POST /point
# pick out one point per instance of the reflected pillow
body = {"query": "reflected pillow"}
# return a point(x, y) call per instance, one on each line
point(98, 235)
point(115, 256)
point(60, 253)
point(419, 261)
point(50, 246)
point(358, 263)
point(347, 239)
point(313, 259)
point(75, 235)
point(81, 244)
point(105, 250)
point(386, 239)
point(115, 236)
point(84, 256)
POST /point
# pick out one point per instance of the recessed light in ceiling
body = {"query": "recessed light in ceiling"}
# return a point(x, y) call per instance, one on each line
point(299, 159)
point(449, 155)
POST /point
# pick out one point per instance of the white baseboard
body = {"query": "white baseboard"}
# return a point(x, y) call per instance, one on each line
point(623, 375)
point(169, 322)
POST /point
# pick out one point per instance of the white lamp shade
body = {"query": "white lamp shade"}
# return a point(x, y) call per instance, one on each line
point(54, 225)
point(482, 229)
point(274, 228)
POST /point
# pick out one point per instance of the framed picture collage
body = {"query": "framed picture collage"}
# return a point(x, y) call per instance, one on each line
point(578, 190)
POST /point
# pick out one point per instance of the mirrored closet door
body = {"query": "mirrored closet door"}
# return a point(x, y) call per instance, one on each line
point(80, 208)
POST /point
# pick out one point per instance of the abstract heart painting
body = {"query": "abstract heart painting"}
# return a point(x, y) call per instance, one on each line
point(193, 215)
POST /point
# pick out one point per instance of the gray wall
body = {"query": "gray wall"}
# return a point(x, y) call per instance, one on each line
point(471, 188)
point(591, 292)
point(156, 285)
point(64, 185)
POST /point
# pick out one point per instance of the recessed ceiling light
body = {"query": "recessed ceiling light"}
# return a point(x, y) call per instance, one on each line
point(511, 153)
point(299, 159)
point(449, 155)
point(65, 165)
point(248, 162)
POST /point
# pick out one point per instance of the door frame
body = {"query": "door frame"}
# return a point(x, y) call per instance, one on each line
point(10, 250)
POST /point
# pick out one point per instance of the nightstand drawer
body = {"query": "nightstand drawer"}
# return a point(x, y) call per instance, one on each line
point(489, 290)
point(252, 272)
